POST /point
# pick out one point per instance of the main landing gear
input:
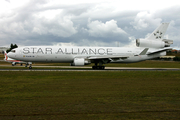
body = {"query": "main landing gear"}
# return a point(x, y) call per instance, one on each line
point(98, 67)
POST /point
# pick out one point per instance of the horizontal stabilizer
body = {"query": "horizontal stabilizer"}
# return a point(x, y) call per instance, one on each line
point(160, 50)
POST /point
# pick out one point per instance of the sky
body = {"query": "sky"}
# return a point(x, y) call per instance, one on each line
point(108, 23)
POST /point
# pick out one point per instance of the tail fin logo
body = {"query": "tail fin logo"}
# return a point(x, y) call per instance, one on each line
point(159, 32)
point(158, 35)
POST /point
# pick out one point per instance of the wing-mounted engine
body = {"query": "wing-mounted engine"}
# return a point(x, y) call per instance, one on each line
point(153, 43)
point(80, 62)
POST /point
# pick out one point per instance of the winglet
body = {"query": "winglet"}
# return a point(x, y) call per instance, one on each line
point(144, 51)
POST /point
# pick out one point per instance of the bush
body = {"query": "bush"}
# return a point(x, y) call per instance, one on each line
point(176, 58)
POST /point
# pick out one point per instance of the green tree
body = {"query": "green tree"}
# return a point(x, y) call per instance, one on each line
point(11, 47)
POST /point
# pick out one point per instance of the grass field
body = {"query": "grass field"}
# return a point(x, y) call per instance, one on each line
point(30, 95)
point(89, 95)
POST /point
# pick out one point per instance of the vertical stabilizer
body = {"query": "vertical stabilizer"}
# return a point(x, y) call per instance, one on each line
point(159, 32)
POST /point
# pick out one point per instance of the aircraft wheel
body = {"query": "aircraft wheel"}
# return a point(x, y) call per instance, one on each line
point(30, 67)
point(101, 67)
point(94, 67)
point(98, 67)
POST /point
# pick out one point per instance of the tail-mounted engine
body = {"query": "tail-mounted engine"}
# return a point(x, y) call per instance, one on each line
point(153, 43)
point(80, 62)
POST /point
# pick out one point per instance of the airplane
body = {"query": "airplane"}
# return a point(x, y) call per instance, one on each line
point(151, 47)
point(13, 61)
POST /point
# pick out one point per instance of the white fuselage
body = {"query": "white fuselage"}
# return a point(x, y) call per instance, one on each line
point(68, 54)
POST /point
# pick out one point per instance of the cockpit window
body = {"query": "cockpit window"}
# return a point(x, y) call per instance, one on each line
point(13, 51)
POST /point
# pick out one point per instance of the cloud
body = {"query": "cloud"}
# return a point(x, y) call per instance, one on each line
point(84, 23)
point(8, 1)
point(108, 29)
point(59, 26)
point(145, 19)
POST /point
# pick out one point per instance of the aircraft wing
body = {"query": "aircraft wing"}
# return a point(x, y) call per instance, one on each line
point(107, 57)
point(159, 50)
point(115, 56)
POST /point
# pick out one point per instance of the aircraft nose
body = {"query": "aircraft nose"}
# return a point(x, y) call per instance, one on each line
point(11, 55)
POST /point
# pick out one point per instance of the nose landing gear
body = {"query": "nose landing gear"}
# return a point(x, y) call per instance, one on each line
point(30, 65)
